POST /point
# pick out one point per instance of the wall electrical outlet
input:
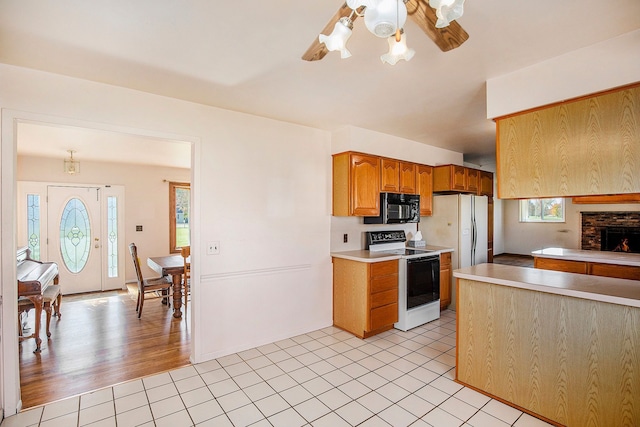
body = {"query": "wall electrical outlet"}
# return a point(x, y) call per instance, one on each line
point(345, 237)
point(213, 248)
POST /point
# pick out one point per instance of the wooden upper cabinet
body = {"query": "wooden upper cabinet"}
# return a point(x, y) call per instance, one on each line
point(358, 180)
point(390, 175)
point(486, 184)
point(473, 180)
point(424, 183)
point(398, 177)
point(356, 184)
point(587, 146)
point(407, 178)
point(456, 179)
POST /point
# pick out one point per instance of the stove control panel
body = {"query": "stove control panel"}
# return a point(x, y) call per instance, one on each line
point(378, 237)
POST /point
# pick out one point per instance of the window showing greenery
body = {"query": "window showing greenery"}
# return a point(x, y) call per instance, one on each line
point(179, 209)
point(542, 210)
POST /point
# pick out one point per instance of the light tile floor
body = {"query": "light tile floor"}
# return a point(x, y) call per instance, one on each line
point(326, 378)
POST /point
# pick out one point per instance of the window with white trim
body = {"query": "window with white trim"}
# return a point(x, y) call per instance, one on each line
point(542, 210)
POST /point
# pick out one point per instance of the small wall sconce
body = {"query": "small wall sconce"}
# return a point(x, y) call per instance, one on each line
point(71, 166)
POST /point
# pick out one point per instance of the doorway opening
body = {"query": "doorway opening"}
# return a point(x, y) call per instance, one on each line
point(98, 334)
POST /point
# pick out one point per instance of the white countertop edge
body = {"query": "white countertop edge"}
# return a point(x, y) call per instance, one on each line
point(558, 289)
point(364, 255)
point(603, 257)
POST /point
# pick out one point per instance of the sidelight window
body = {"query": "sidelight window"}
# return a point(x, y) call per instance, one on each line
point(33, 225)
point(112, 236)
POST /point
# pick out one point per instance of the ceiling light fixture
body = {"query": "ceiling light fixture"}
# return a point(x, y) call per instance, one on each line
point(447, 11)
point(337, 40)
point(386, 19)
point(397, 50)
point(71, 166)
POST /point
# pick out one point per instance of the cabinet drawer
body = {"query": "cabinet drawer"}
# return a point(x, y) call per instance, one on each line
point(383, 316)
point(383, 298)
point(384, 283)
point(384, 268)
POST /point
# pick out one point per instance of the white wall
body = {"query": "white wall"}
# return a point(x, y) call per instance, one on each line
point(260, 187)
point(351, 138)
point(523, 238)
point(146, 198)
point(605, 65)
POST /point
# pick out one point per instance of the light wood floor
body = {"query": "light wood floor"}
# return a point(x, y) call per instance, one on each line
point(99, 341)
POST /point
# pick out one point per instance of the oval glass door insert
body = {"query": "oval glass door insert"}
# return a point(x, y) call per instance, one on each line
point(75, 235)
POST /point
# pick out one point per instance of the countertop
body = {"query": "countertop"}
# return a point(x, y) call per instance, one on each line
point(364, 255)
point(596, 288)
point(619, 258)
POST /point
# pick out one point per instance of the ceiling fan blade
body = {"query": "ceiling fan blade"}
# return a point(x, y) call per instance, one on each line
point(446, 38)
point(318, 50)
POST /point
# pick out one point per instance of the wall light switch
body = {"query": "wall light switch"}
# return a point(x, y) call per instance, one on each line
point(213, 248)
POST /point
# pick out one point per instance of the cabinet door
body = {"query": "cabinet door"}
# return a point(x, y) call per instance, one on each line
point(473, 180)
point(445, 280)
point(458, 178)
point(407, 178)
point(365, 185)
point(619, 271)
point(390, 175)
point(425, 189)
point(486, 184)
point(560, 265)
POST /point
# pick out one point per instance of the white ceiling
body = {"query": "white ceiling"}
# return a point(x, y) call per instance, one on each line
point(245, 56)
point(44, 140)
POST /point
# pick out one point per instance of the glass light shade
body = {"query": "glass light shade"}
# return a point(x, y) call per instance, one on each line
point(337, 40)
point(385, 17)
point(447, 11)
point(397, 51)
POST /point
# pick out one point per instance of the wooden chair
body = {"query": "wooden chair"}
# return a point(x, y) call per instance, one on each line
point(51, 300)
point(185, 251)
point(147, 285)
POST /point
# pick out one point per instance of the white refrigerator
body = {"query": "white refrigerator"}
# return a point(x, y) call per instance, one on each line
point(459, 221)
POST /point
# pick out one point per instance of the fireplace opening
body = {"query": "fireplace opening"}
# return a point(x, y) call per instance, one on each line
point(620, 239)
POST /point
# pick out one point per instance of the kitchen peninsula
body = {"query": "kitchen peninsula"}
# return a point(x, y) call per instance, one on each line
point(599, 263)
point(561, 346)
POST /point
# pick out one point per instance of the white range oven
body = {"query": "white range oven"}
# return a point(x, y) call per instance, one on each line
point(418, 278)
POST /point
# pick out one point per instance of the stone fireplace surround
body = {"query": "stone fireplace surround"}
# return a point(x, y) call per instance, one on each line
point(594, 222)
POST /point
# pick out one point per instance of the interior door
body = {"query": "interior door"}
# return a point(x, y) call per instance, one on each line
point(74, 237)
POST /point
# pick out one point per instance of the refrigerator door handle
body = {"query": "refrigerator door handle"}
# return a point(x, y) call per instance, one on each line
point(474, 231)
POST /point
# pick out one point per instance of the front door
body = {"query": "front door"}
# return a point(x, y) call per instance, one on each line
point(74, 237)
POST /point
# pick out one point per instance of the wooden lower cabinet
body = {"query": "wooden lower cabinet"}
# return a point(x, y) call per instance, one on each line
point(365, 296)
point(560, 265)
point(594, 268)
point(445, 280)
point(618, 271)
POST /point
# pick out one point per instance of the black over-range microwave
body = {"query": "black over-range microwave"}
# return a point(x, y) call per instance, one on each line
point(396, 209)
